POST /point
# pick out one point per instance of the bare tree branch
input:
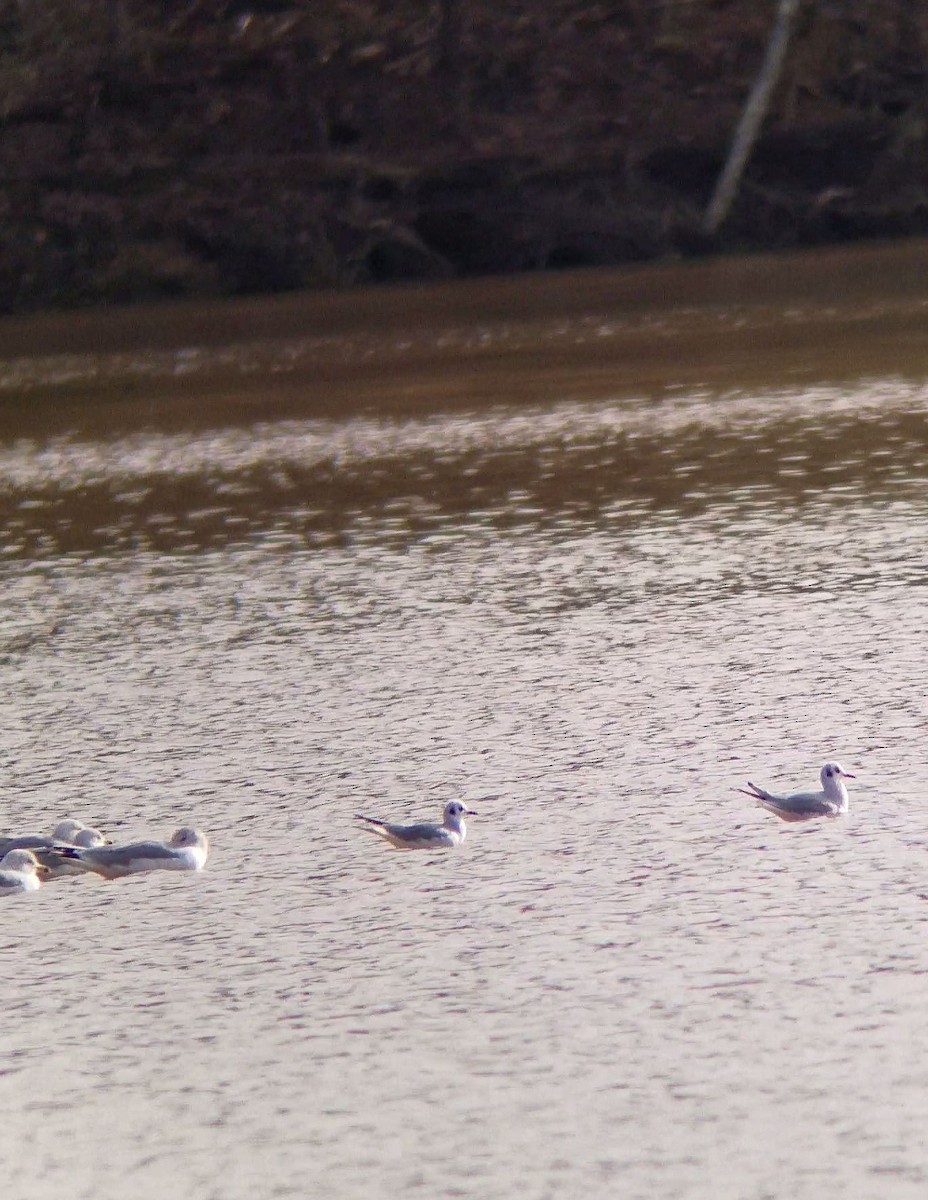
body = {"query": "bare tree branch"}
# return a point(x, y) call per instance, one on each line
point(752, 117)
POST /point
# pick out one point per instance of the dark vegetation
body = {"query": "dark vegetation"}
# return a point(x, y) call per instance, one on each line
point(204, 147)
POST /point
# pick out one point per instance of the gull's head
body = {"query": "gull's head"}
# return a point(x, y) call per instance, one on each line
point(833, 773)
point(20, 860)
point(90, 839)
point(456, 811)
point(188, 837)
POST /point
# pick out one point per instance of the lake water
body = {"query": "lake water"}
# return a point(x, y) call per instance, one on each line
point(587, 552)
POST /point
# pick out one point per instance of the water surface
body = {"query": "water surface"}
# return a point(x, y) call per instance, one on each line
point(290, 591)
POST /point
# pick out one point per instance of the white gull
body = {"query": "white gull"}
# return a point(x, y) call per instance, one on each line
point(425, 836)
point(71, 832)
point(187, 850)
point(831, 801)
point(19, 872)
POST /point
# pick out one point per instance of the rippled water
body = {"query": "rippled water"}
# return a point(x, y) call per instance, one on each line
point(593, 613)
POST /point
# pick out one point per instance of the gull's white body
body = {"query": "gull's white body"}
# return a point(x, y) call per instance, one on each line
point(187, 850)
point(450, 833)
point(19, 872)
point(831, 801)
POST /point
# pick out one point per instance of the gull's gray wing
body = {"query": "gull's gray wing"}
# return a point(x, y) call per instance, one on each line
point(797, 802)
point(419, 833)
point(26, 841)
point(800, 807)
point(805, 802)
point(124, 856)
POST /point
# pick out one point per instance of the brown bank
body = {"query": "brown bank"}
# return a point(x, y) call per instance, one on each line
point(152, 151)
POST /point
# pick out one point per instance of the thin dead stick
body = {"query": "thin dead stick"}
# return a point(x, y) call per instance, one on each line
point(752, 117)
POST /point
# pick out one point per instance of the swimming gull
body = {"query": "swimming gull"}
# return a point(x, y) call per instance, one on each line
point(187, 850)
point(451, 832)
point(75, 834)
point(831, 801)
point(19, 872)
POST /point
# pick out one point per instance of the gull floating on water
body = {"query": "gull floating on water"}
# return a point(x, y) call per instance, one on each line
point(19, 872)
point(831, 801)
point(187, 850)
point(71, 832)
point(426, 836)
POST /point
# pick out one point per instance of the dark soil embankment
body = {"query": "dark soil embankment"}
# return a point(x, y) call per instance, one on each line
point(150, 150)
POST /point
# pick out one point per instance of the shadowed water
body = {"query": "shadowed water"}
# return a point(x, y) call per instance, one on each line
point(587, 612)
